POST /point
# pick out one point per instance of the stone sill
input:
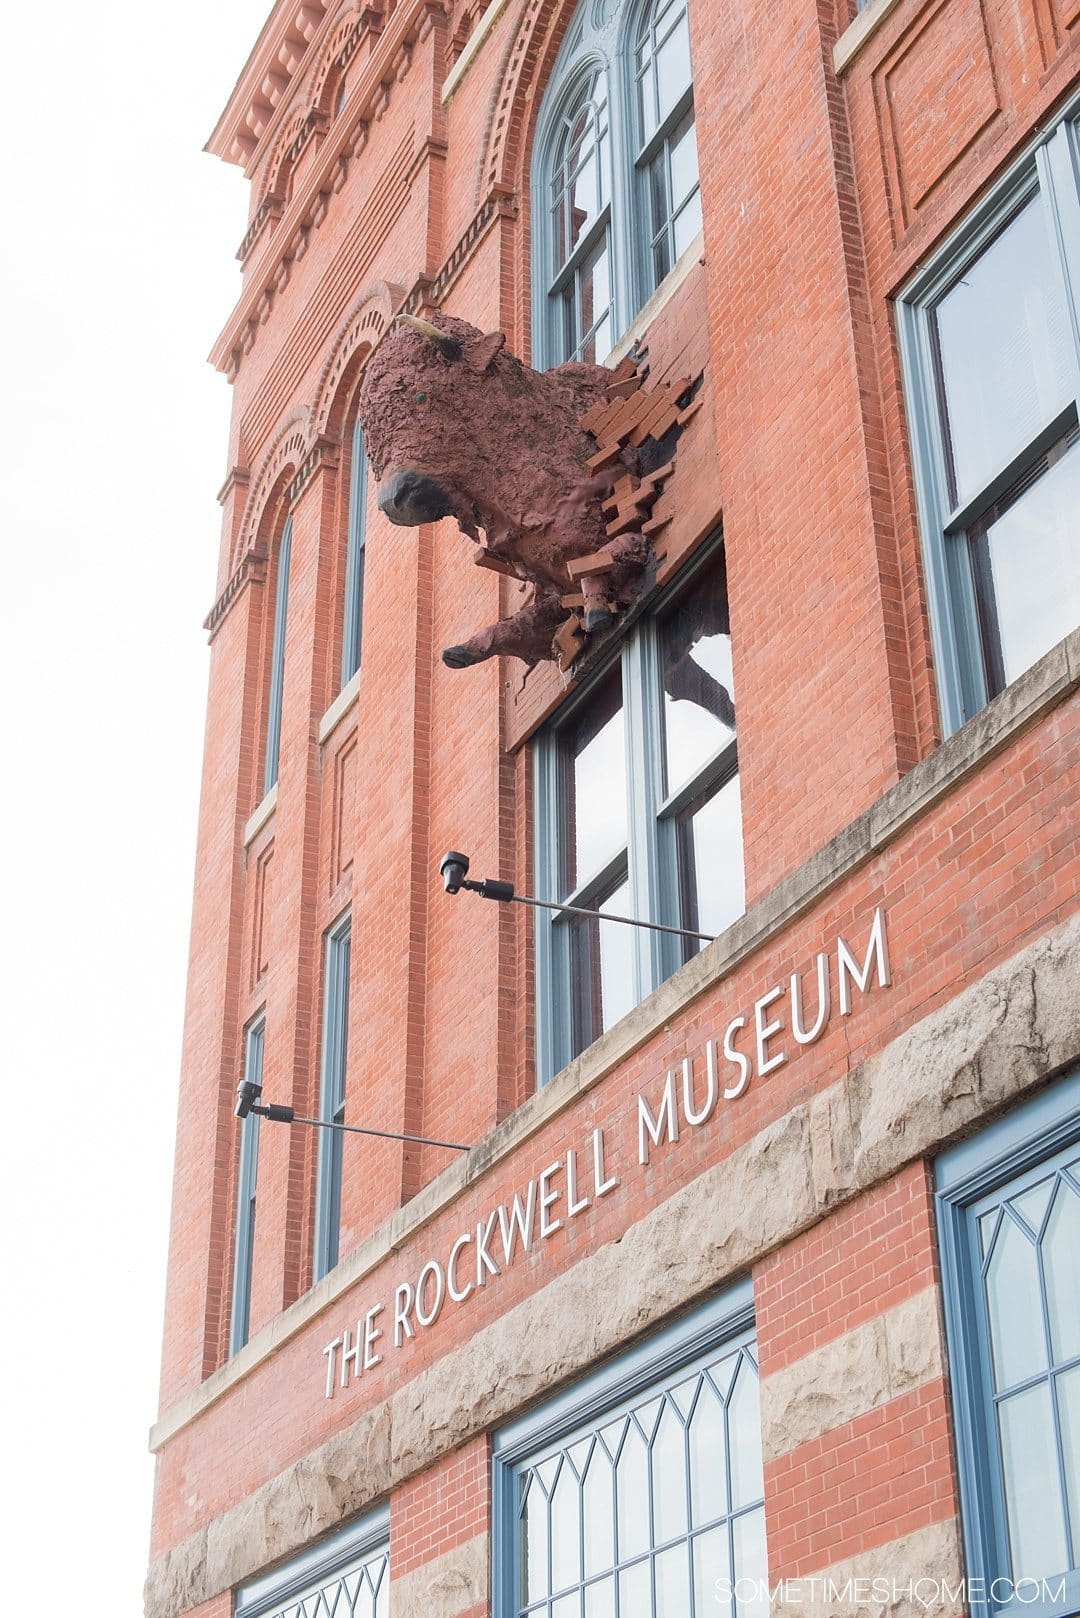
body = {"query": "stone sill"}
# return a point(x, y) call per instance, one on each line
point(472, 49)
point(1034, 694)
point(860, 32)
point(346, 698)
point(673, 280)
point(261, 816)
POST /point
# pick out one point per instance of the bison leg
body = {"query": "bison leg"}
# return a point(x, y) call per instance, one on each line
point(527, 634)
point(620, 581)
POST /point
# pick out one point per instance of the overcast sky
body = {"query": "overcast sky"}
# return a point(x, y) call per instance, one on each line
point(118, 273)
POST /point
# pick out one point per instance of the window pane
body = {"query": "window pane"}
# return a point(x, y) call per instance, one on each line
point(1061, 1267)
point(711, 882)
point(1068, 1393)
point(708, 1463)
point(744, 1434)
point(1004, 352)
point(695, 653)
point(748, 1533)
point(669, 1484)
point(712, 1562)
point(673, 66)
point(565, 1538)
point(687, 224)
point(277, 660)
point(632, 1494)
point(672, 1573)
point(594, 787)
point(600, 1599)
point(1026, 565)
point(534, 1545)
point(1015, 1308)
point(354, 565)
point(601, 968)
point(1032, 1490)
point(578, 181)
point(599, 1509)
point(332, 1098)
point(683, 159)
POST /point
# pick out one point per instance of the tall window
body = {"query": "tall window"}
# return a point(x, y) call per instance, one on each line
point(244, 1248)
point(638, 815)
point(353, 624)
point(615, 175)
point(667, 167)
point(332, 1096)
point(992, 360)
point(277, 660)
point(1009, 1214)
point(639, 1493)
point(347, 1575)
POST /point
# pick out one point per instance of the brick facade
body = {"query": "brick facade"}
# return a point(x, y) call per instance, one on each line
point(836, 154)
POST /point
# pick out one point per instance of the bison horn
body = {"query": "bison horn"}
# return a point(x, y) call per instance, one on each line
point(447, 347)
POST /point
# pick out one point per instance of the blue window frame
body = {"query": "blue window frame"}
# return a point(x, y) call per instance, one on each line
point(347, 1575)
point(1009, 1225)
point(353, 623)
point(244, 1245)
point(277, 660)
point(335, 1042)
point(639, 1491)
point(614, 176)
point(638, 814)
point(991, 349)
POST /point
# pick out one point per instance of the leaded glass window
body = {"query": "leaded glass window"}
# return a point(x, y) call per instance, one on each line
point(347, 1576)
point(1029, 1257)
point(638, 814)
point(1011, 1250)
point(992, 369)
point(652, 1507)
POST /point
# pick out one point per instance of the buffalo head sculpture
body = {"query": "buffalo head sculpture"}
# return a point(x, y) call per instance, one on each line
point(454, 426)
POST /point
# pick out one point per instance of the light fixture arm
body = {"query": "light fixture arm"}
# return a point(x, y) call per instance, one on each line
point(453, 869)
point(248, 1101)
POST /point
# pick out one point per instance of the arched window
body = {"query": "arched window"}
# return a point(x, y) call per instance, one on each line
point(353, 620)
point(614, 176)
point(277, 660)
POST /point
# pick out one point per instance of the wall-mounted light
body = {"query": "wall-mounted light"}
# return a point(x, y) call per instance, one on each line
point(453, 869)
point(248, 1100)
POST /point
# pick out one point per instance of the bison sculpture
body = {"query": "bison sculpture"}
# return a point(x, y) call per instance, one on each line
point(455, 426)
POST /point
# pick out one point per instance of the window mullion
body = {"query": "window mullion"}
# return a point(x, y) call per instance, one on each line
point(651, 877)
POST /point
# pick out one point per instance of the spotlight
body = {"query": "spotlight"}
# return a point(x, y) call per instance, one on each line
point(453, 869)
point(247, 1097)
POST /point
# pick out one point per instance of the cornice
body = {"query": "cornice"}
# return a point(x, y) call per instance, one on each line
point(366, 103)
point(278, 56)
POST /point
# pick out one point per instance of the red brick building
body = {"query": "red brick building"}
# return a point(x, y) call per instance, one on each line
point(758, 1283)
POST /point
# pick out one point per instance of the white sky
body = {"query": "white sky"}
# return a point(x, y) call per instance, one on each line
point(118, 272)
